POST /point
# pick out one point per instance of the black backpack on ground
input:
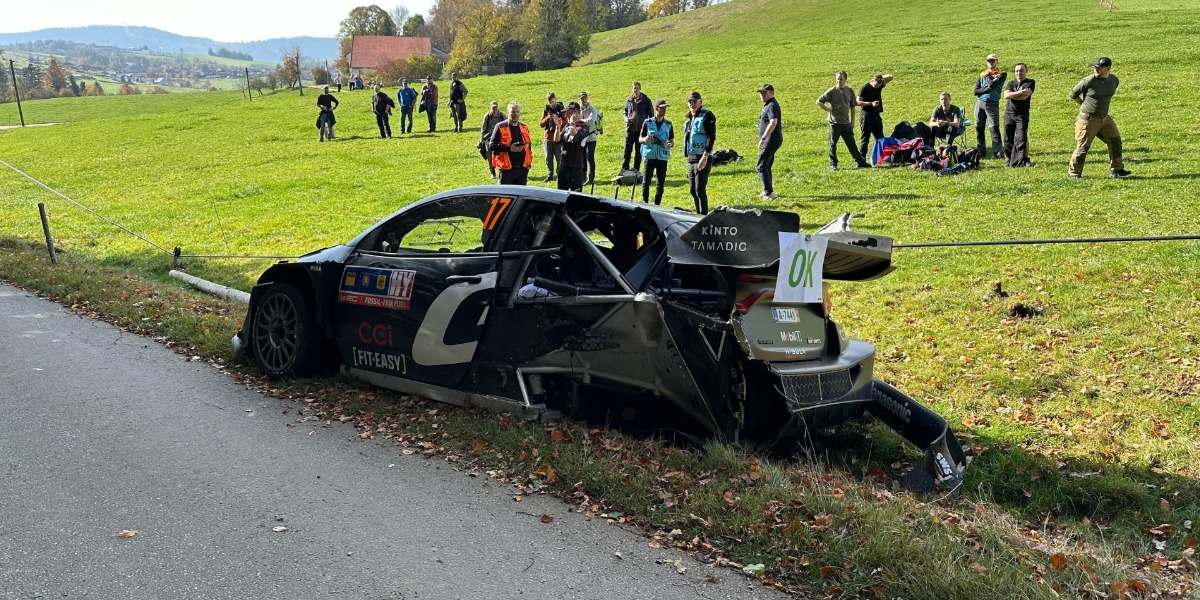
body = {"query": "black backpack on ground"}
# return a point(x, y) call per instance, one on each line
point(969, 157)
point(903, 131)
point(724, 157)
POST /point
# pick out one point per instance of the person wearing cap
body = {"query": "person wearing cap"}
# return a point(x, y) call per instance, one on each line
point(1016, 117)
point(988, 88)
point(637, 109)
point(839, 101)
point(429, 100)
point(1093, 95)
point(493, 118)
point(458, 102)
point(699, 135)
point(382, 105)
point(590, 116)
point(870, 119)
point(326, 103)
point(770, 138)
point(658, 138)
point(570, 134)
point(510, 148)
point(408, 98)
point(549, 122)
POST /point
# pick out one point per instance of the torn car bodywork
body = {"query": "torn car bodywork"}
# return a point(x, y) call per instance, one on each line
point(541, 302)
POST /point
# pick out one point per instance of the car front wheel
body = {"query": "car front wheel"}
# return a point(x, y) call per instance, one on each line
point(284, 339)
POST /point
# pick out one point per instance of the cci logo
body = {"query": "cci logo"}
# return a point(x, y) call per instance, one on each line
point(375, 333)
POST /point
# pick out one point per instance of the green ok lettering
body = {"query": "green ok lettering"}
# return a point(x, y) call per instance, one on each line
point(805, 260)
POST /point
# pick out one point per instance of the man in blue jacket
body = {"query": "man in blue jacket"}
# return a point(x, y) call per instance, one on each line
point(988, 89)
point(408, 99)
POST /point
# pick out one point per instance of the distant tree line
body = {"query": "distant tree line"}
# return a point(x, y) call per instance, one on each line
point(227, 53)
point(554, 33)
point(35, 82)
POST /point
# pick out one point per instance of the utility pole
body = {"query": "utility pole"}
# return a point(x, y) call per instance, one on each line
point(16, 90)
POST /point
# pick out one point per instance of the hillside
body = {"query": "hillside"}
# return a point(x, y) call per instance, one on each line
point(158, 40)
point(1084, 420)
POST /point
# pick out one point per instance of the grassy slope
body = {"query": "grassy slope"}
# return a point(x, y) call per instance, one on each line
point(1106, 380)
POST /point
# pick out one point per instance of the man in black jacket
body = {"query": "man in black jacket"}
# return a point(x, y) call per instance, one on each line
point(458, 102)
point(571, 135)
point(637, 109)
point(700, 132)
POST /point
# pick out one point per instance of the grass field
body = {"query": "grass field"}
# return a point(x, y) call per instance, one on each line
point(1083, 420)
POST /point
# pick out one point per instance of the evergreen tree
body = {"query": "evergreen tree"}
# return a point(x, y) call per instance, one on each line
point(31, 77)
point(556, 32)
point(415, 26)
point(74, 86)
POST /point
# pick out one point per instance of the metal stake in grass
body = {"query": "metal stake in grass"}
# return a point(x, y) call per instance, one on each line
point(46, 228)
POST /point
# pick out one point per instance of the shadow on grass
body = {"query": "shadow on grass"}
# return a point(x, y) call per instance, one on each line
point(840, 197)
point(627, 53)
point(1038, 488)
point(1171, 176)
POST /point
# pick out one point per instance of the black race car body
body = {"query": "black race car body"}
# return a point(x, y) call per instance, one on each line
point(541, 302)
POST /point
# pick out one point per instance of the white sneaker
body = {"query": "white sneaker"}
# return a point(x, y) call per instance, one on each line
point(767, 196)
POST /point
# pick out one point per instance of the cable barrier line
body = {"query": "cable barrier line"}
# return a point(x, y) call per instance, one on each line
point(84, 207)
point(1101, 240)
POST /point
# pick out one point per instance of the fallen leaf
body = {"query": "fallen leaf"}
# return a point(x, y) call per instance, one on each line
point(1138, 587)
point(479, 446)
point(1028, 493)
point(827, 572)
point(547, 472)
point(978, 568)
point(1164, 505)
point(1035, 474)
point(754, 569)
point(557, 435)
point(279, 529)
point(127, 533)
point(547, 518)
point(1058, 562)
point(518, 498)
point(730, 499)
point(654, 545)
point(619, 555)
point(679, 568)
point(1120, 588)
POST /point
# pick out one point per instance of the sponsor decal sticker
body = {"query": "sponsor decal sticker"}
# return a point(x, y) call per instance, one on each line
point(379, 288)
point(375, 334)
point(386, 361)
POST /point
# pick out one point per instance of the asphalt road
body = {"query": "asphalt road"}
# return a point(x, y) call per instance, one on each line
point(105, 431)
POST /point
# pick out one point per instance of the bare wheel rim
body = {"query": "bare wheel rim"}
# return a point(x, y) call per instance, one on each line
point(276, 332)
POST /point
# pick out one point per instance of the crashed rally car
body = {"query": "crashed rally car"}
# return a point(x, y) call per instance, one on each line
point(542, 302)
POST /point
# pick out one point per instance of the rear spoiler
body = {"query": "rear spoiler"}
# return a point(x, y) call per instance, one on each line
point(749, 239)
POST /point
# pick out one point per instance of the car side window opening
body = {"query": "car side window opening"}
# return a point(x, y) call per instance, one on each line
point(457, 225)
point(620, 237)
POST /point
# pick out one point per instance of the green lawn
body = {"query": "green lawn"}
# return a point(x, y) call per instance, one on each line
point(1083, 420)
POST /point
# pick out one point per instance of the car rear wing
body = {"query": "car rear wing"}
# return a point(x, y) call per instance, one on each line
point(750, 239)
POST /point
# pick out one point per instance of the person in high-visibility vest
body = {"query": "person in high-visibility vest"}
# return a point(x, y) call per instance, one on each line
point(657, 138)
point(510, 148)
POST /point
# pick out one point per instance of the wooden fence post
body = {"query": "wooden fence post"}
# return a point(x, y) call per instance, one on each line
point(46, 229)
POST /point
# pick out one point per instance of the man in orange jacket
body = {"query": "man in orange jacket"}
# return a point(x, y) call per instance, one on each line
point(510, 148)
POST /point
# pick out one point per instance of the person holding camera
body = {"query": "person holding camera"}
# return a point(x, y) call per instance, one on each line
point(549, 123)
point(571, 134)
point(510, 148)
point(590, 116)
point(657, 138)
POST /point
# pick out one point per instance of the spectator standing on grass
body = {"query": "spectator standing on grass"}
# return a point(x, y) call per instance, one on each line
point(429, 102)
point(383, 104)
point(571, 134)
point(590, 117)
point(458, 102)
point(699, 135)
point(325, 119)
point(637, 109)
point(549, 123)
point(870, 117)
point(988, 88)
point(657, 138)
point(493, 118)
point(1093, 95)
point(946, 119)
point(1016, 117)
point(510, 148)
point(408, 98)
point(770, 138)
point(839, 101)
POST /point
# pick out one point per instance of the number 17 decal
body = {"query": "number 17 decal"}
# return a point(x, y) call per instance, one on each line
point(499, 205)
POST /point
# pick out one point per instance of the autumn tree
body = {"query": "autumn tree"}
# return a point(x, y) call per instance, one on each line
point(623, 13)
point(363, 20)
point(56, 78)
point(444, 17)
point(128, 90)
point(665, 8)
point(289, 69)
point(415, 26)
point(481, 30)
point(556, 32)
point(418, 66)
point(94, 89)
point(320, 76)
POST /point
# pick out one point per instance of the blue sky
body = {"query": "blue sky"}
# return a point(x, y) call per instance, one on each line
point(220, 20)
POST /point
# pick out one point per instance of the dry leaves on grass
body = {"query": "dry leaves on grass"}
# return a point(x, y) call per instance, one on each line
point(127, 533)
